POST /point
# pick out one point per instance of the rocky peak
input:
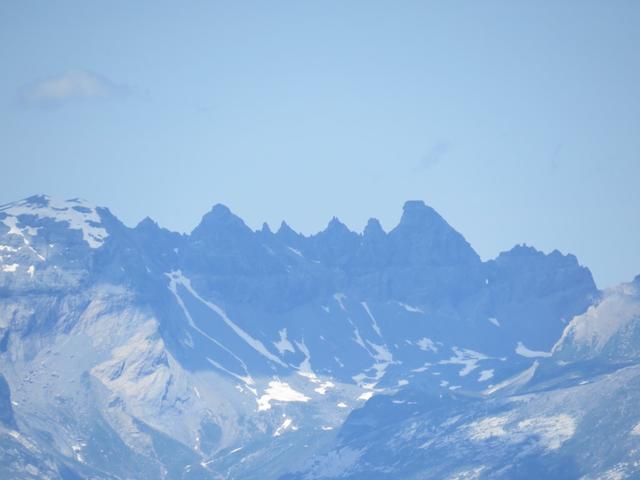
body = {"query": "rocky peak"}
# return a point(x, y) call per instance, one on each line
point(416, 214)
point(373, 229)
point(220, 222)
point(424, 237)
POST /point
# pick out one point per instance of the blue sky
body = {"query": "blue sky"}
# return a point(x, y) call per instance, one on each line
point(518, 121)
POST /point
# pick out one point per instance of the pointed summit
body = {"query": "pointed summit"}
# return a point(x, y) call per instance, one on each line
point(266, 229)
point(220, 210)
point(335, 225)
point(220, 221)
point(372, 253)
point(337, 232)
point(223, 243)
point(285, 229)
point(147, 223)
point(336, 244)
point(288, 235)
point(373, 229)
point(417, 214)
point(423, 237)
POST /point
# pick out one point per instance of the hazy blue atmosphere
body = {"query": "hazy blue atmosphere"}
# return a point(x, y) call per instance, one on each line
point(518, 123)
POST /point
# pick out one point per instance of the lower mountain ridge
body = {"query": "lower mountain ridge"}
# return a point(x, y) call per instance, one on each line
point(228, 353)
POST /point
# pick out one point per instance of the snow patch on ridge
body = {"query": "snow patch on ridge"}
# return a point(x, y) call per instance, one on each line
point(78, 214)
point(427, 345)
point(366, 395)
point(296, 251)
point(283, 345)
point(525, 352)
point(375, 325)
point(339, 298)
point(410, 308)
point(466, 357)
point(287, 422)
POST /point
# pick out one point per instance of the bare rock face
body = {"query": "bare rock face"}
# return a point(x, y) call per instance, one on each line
point(7, 418)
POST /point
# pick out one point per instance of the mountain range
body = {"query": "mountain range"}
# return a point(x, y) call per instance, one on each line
point(229, 353)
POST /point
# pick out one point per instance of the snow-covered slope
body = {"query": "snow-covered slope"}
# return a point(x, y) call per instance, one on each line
point(610, 328)
point(233, 353)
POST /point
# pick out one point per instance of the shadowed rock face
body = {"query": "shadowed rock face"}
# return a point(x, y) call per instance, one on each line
point(424, 238)
point(6, 408)
point(422, 255)
point(233, 353)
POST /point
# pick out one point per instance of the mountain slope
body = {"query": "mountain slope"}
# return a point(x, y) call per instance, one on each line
point(229, 353)
point(571, 414)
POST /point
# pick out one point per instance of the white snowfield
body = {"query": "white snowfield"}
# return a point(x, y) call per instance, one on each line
point(280, 392)
point(366, 395)
point(78, 214)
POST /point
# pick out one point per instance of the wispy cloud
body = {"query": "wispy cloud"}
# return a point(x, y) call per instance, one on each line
point(435, 154)
point(70, 86)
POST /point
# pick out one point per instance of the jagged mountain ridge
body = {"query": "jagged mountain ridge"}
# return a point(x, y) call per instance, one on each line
point(230, 342)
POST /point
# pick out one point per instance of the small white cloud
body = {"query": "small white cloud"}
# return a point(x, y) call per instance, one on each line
point(71, 85)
